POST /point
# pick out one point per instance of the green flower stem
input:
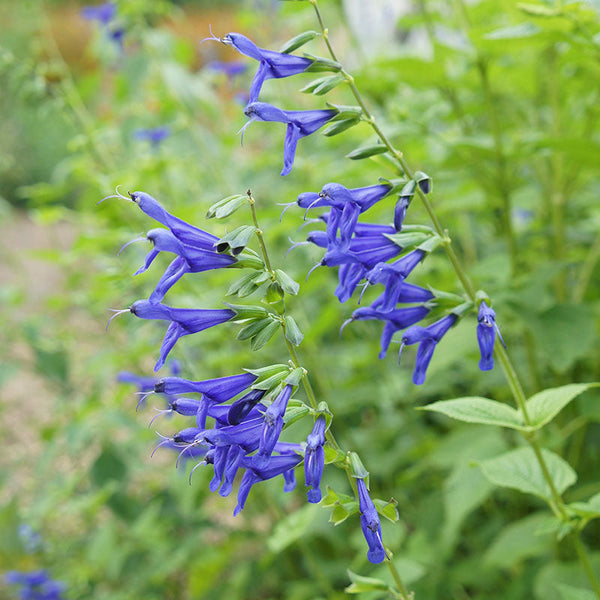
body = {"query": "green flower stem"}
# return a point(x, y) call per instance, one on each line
point(404, 593)
point(310, 393)
point(557, 503)
point(585, 561)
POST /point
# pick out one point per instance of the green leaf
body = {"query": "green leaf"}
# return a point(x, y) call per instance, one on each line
point(537, 10)
point(292, 528)
point(473, 409)
point(274, 293)
point(292, 331)
point(408, 239)
point(520, 470)
point(246, 312)
point(253, 328)
point(264, 335)
point(345, 111)
point(362, 584)
point(298, 41)
point(322, 64)
point(288, 285)
point(295, 412)
point(227, 206)
point(388, 510)
point(339, 514)
point(568, 592)
point(270, 383)
point(545, 405)
point(321, 86)
point(518, 541)
point(269, 371)
point(295, 377)
point(241, 283)
point(367, 151)
point(513, 32)
point(588, 510)
point(236, 240)
point(339, 126)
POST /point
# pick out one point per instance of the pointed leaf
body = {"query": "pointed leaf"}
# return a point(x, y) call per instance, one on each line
point(298, 41)
point(520, 470)
point(263, 336)
point(227, 206)
point(473, 409)
point(339, 126)
point(246, 312)
point(367, 151)
point(545, 405)
point(288, 285)
point(388, 510)
point(362, 584)
point(292, 331)
point(253, 328)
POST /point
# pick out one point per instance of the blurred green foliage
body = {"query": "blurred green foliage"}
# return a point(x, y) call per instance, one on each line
point(500, 108)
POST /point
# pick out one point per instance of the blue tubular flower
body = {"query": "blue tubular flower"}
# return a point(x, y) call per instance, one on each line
point(300, 123)
point(190, 259)
point(427, 338)
point(273, 65)
point(370, 524)
point(346, 205)
point(273, 419)
point(35, 585)
point(184, 232)
point(395, 320)
point(486, 335)
point(154, 135)
point(240, 409)
point(314, 460)
point(184, 321)
point(276, 465)
point(103, 13)
point(218, 390)
point(349, 276)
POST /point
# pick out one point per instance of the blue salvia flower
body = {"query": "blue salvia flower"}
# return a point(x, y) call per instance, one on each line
point(183, 321)
point(103, 13)
point(184, 232)
point(190, 259)
point(154, 135)
point(273, 65)
point(392, 275)
point(370, 524)
point(427, 338)
point(346, 205)
point(300, 123)
point(277, 465)
point(273, 424)
point(395, 320)
point(486, 335)
point(314, 460)
point(35, 585)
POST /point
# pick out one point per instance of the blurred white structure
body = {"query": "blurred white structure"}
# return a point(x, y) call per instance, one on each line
point(376, 24)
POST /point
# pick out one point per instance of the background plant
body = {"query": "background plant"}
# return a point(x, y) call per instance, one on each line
point(505, 120)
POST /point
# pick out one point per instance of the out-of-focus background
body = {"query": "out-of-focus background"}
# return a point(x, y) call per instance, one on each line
point(497, 102)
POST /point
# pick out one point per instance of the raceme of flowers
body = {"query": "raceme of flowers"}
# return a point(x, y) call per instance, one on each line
point(238, 419)
point(35, 585)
